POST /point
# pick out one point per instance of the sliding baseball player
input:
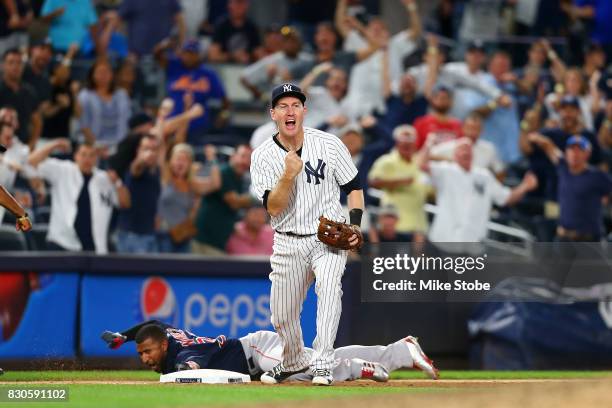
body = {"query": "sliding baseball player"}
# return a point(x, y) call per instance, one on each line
point(166, 349)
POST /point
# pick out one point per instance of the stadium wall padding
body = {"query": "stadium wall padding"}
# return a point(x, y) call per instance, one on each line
point(207, 306)
point(47, 326)
point(64, 313)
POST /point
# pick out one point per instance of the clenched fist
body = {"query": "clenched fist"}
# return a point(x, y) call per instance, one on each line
point(23, 223)
point(293, 164)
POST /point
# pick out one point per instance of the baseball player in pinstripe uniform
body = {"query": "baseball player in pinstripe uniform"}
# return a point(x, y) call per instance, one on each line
point(298, 174)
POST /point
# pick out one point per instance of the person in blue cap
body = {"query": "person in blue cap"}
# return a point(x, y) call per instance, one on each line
point(187, 76)
point(581, 188)
point(569, 125)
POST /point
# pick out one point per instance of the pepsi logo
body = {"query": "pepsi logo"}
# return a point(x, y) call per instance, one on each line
point(158, 301)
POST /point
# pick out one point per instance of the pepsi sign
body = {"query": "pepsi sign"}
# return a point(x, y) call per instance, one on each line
point(204, 305)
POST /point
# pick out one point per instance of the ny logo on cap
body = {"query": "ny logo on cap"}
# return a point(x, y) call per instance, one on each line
point(287, 88)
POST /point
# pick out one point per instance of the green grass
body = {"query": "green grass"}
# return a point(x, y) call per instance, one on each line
point(93, 375)
point(179, 396)
point(408, 375)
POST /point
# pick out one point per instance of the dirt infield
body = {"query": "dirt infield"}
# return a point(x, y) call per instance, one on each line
point(479, 393)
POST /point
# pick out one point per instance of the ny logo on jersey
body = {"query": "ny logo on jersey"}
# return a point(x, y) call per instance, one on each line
point(317, 173)
point(479, 187)
point(107, 199)
point(287, 88)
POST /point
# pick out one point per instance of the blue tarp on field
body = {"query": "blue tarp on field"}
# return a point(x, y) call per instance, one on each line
point(572, 333)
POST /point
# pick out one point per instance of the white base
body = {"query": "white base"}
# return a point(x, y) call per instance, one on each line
point(205, 377)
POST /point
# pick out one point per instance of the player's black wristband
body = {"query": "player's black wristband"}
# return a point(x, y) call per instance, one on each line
point(355, 216)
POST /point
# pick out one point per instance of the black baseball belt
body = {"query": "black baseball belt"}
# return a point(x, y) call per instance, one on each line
point(293, 234)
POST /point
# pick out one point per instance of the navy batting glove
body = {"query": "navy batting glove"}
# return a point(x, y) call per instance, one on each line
point(114, 340)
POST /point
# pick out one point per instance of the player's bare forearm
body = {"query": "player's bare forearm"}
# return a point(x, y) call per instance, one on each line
point(356, 206)
point(278, 199)
point(9, 202)
point(355, 200)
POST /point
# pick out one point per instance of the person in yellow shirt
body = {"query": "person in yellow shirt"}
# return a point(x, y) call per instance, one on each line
point(401, 181)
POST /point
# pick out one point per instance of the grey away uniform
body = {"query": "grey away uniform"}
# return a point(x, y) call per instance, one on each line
point(261, 351)
point(299, 257)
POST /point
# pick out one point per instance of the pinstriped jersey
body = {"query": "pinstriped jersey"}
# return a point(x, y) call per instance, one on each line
point(316, 189)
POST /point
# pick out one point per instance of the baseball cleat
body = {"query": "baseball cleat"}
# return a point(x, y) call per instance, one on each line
point(420, 360)
point(322, 377)
point(278, 374)
point(372, 371)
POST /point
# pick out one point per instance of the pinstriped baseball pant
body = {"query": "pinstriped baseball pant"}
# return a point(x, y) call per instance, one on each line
point(296, 262)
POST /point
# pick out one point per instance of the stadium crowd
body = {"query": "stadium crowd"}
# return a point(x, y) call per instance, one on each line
point(122, 134)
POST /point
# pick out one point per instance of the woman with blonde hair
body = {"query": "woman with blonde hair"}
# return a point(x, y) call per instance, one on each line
point(178, 201)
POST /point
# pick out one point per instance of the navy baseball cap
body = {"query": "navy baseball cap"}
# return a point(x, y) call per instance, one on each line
point(578, 140)
point(569, 100)
point(287, 90)
point(476, 45)
point(192, 45)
